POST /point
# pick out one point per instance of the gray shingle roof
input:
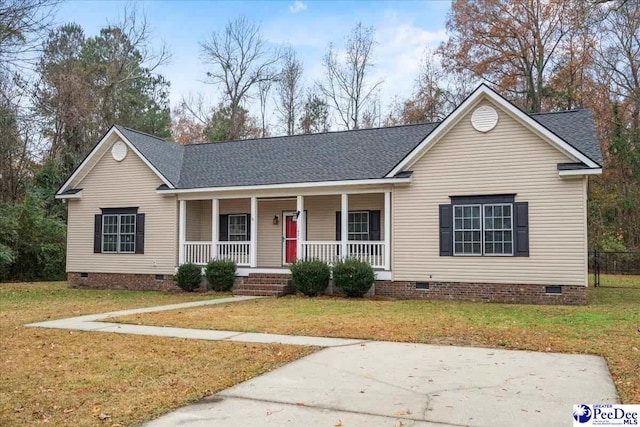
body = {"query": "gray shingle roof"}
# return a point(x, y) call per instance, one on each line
point(329, 156)
point(576, 128)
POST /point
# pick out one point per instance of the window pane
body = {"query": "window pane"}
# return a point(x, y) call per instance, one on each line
point(109, 243)
point(358, 226)
point(237, 228)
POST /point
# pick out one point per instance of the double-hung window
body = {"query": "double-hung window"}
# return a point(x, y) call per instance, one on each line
point(467, 230)
point(118, 233)
point(238, 228)
point(358, 225)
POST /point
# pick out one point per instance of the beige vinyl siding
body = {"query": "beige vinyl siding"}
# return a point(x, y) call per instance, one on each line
point(112, 184)
point(508, 159)
point(199, 216)
point(197, 220)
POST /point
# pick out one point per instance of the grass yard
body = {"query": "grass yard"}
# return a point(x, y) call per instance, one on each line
point(608, 326)
point(77, 378)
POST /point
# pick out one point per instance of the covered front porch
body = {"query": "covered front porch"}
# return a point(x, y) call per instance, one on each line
point(267, 234)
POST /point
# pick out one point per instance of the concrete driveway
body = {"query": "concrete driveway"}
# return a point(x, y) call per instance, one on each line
point(396, 384)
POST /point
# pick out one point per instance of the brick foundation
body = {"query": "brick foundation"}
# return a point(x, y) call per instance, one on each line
point(483, 292)
point(133, 282)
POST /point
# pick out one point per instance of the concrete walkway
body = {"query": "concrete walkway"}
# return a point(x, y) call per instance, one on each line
point(365, 383)
point(96, 323)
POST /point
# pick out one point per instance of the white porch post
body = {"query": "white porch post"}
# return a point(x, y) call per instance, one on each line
point(215, 227)
point(182, 231)
point(254, 232)
point(344, 224)
point(387, 230)
point(300, 227)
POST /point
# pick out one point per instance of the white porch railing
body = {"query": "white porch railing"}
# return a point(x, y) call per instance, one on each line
point(371, 252)
point(197, 252)
point(200, 252)
point(329, 251)
point(238, 252)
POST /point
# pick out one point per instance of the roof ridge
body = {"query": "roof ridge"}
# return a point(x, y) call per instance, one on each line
point(573, 110)
point(309, 134)
point(146, 134)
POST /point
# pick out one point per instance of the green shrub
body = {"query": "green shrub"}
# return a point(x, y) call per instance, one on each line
point(221, 274)
point(310, 277)
point(189, 277)
point(353, 277)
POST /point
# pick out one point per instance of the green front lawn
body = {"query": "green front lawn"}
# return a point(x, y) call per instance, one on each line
point(608, 326)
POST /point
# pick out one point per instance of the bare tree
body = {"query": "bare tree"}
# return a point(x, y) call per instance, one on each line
point(240, 60)
point(22, 24)
point(264, 87)
point(289, 88)
point(619, 56)
point(347, 85)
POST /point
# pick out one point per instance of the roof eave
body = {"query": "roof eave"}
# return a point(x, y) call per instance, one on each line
point(580, 172)
point(69, 195)
point(293, 185)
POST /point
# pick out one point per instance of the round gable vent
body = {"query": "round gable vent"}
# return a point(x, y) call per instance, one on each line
point(484, 118)
point(119, 151)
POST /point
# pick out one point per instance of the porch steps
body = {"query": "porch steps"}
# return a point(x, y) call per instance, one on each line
point(265, 285)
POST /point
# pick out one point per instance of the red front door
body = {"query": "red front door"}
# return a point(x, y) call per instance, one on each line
point(290, 239)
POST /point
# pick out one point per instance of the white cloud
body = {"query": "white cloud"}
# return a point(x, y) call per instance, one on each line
point(297, 6)
point(398, 55)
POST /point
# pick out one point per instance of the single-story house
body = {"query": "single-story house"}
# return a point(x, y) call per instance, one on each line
point(489, 205)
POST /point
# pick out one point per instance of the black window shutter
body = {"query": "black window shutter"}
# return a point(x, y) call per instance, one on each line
point(97, 234)
point(139, 233)
point(248, 226)
point(338, 226)
point(446, 230)
point(223, 228)
point(374, 225)
point(521, 221)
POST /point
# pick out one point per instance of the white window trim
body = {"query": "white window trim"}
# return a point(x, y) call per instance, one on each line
point(512, 231)
point(118, 233)
point(368, 233)
point(479, 206)
point(237, 234)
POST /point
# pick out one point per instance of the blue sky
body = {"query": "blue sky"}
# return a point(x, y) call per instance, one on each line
point(403, 31)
